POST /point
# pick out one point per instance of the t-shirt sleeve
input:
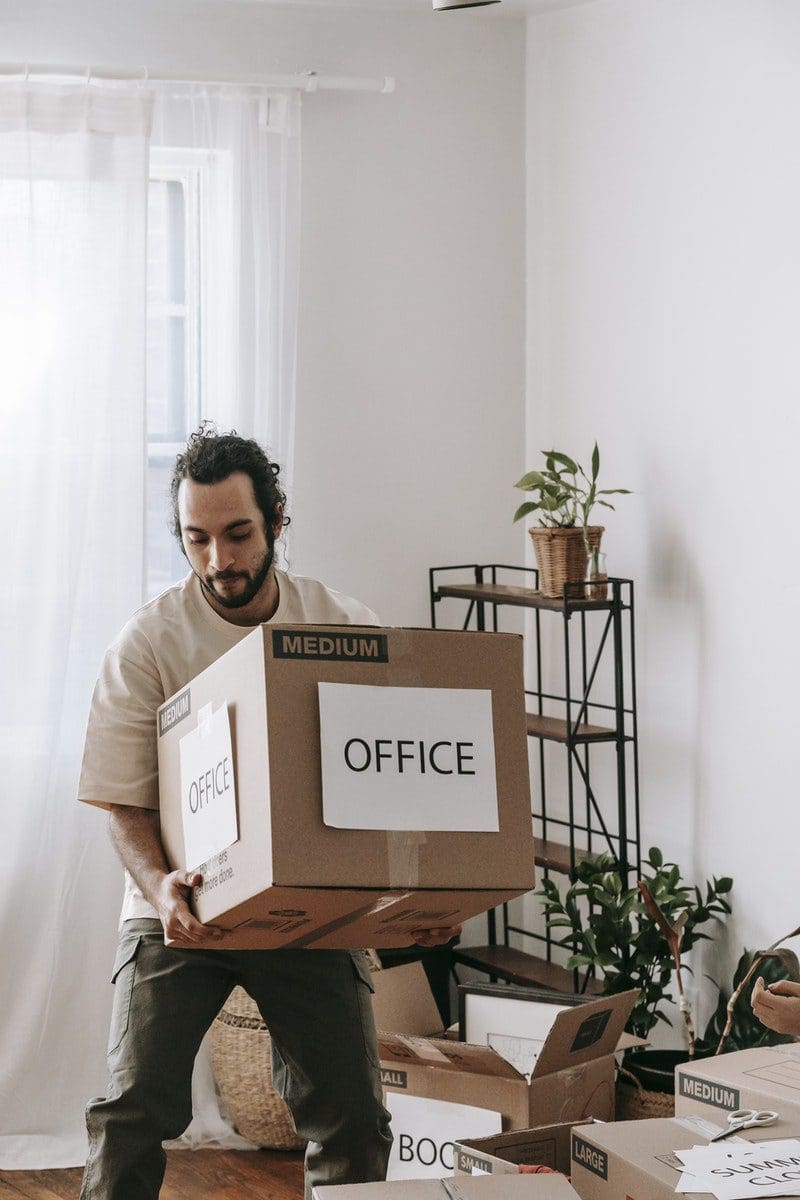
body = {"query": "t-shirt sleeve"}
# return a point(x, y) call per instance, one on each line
point(120, 758)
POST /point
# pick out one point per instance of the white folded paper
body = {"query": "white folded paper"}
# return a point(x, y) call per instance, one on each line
point(736, 1168)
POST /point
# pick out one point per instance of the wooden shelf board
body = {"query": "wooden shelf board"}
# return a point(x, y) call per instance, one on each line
point(555, 855)
point(554, 729)
point(516, 966)
point(506, 593)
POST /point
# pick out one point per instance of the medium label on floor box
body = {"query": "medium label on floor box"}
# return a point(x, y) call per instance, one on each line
point(707, 1092)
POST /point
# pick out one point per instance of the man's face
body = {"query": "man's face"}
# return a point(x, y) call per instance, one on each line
point(224, 538)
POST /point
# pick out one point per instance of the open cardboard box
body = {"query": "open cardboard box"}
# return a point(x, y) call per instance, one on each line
point(337, 734)
point(768, 1077)
point(524, 1187)
point(502, 1154)
point(635, 1160)
point(572, 1079)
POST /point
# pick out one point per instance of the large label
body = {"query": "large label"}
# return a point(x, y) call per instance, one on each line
point(589, 1156)
point(407, 758)
point(719, 1095)
point(333, 647)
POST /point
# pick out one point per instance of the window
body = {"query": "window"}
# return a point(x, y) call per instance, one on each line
point(174, 376)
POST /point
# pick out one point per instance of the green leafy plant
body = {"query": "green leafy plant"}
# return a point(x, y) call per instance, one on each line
point(734, 1025)
point(564, 494)
point(611, 933)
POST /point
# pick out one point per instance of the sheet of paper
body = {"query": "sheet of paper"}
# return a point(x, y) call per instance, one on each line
point(521, 1052)
point(407, 758)
point(735, 1171)
point(208, 788)
point(424, 1132)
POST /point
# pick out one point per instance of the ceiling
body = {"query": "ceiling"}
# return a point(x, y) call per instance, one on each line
point(515, 8)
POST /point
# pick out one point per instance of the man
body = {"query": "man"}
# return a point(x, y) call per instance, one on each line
point(228, 512)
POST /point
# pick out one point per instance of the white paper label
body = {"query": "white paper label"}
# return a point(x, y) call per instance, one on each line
point(208, 789)
point(407, 758)
point(424, 1132)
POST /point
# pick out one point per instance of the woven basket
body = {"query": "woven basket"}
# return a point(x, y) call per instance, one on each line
point(241, 1050)
point(561, 555)
point(637, 1103)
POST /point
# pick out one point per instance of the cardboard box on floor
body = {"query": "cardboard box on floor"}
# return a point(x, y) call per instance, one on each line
point(763, 1078)
point(635, 1160)
point(573, 1078)
point(524, 1187)
point(290, 879)
point(502, 1154)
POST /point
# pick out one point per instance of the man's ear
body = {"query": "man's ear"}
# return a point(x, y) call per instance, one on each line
point(277, 528)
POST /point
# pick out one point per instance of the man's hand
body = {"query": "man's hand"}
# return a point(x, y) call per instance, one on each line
point(778, 1006)
point(136, 835)
point(172, 906)
point(436, 936)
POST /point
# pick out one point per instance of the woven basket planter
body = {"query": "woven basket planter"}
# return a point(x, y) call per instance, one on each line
point(561, 555)
point(241, 1050)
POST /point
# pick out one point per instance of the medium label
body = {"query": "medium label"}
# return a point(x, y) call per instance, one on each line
point(590, 1157)
point(333, 647)
point(716, 1094)
point(175, 711)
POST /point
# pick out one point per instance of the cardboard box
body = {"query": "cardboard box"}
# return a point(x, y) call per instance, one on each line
point(573, 1078)
point(635, 1160)
point(428, 722)
point(765, 1078)
point(547, 1146)
point(524, 1187)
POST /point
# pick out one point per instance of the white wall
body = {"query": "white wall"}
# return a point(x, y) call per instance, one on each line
point(410, 423)
point(663, 297)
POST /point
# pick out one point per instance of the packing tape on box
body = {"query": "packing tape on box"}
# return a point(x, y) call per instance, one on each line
point(402, 854)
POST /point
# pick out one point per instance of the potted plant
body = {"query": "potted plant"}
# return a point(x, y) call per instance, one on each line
point(614, 933)
point(564, 496)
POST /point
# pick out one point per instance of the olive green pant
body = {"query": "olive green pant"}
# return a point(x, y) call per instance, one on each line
point(316, 1004)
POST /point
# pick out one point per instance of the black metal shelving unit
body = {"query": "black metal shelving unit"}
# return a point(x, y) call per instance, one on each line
point(593, 712)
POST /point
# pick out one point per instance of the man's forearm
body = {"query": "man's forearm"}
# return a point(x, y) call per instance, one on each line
point(136, 837)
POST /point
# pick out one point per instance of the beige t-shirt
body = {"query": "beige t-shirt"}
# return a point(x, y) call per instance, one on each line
point(162, 647)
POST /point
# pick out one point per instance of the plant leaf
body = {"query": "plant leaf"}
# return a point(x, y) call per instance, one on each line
point(595, 462)
point(564, 459)
point(524, 509)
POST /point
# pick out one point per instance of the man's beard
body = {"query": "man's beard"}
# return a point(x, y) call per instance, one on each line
point(254, 585)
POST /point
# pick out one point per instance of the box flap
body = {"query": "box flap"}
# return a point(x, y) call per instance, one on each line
point(581, 1034)
point(403, 1001)
point(445, 1055)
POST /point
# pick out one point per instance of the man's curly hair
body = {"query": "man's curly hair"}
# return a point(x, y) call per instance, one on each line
point(210, 457)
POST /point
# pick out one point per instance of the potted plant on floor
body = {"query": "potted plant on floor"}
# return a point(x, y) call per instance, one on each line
point(613, 933)
point(564, 495)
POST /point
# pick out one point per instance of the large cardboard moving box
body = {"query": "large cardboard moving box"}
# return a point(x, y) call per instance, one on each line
point(635, 1160)
point(764, 1078)
point(343, 786)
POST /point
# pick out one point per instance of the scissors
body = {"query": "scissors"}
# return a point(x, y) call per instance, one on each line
point(746, 1118)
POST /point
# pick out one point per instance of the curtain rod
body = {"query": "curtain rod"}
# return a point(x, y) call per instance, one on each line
point(306, 81)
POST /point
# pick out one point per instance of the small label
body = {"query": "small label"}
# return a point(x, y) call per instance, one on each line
point(706, 1092)
point(391, 1077)
point(177, 710)
point(590, 1157)
point(473, 1164)
point(591, 1030)
point(333, 647)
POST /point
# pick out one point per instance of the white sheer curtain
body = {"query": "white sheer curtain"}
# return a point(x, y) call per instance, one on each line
point(73, 189)
point(73, 202)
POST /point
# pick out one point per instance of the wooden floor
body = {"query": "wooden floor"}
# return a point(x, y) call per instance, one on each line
point(191, 1175)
